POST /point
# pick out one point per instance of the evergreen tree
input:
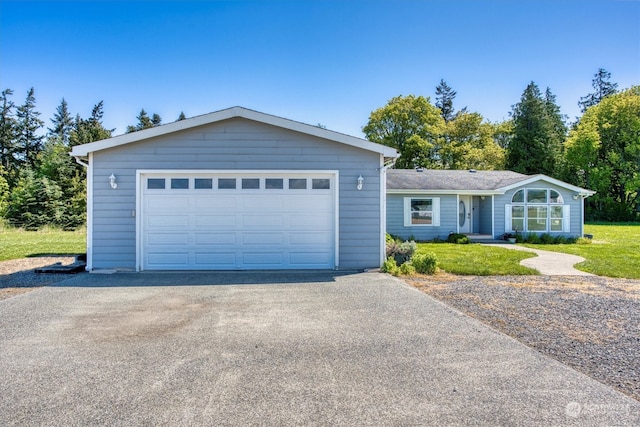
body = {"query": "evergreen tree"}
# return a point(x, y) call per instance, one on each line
point(145, 122)
point(536, 134)
point(8, 143)
point(28, 124)
point(62, 124)
point(444, 100)
point(603, 87)
point(91, 129)
point(558, 127)
point(181, 116)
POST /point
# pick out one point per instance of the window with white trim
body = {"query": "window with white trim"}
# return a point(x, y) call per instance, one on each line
point(537, 210)
point(421, 211)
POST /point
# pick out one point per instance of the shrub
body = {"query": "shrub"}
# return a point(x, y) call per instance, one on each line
point(390, 266)
point(546, 239)
point(459, 239)
point(583, 241)
point(425, 263)
point(401, 252)
point(407, 269)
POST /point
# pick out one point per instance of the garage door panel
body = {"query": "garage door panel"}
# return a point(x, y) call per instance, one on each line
point(158, 221)
point(174, 239)
point(310, 258)
point(323, 239)
point(262, 239)
point(215, 239)
point(227, 229)
point(262, 220)
point(221, 220)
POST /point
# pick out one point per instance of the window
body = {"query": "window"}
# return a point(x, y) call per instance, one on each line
point(179, 183)
point(203, 184)
point(297, 184)
point(226, 183)
point(537, 210)
point(421, 211)
point(320, 184)
point(155, 183)
point(274, 183)
point(250, 183)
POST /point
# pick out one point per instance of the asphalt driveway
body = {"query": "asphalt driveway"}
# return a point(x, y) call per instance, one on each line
point(274, 349)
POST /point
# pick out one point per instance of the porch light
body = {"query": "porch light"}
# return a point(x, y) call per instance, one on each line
point(112, 181)
point(360, 183)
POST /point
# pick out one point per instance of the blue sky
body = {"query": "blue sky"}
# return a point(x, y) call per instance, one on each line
point(327, 62)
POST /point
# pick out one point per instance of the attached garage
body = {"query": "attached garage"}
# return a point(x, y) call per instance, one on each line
point(235, 190)
point(229, 220)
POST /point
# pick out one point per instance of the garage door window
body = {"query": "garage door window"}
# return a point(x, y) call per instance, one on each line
point(321, 184)
point(226, 183)
point(203, 184)
point(250, 183)
point(297, 184)
point(179, 183)
point(155, 183)
point(274, 183)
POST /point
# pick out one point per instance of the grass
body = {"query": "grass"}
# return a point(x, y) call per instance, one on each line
point(478, 260)
point(17, 243)
point(614, 252)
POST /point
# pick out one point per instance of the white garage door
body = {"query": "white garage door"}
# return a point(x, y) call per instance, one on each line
point(205, 221)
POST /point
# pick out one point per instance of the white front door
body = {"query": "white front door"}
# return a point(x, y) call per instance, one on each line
point(464, 214)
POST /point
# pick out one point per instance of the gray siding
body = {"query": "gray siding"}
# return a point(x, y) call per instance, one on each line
point(229, 145)
point(448, 218)
point(576, 207)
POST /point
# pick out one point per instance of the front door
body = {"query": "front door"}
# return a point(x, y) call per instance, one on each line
point(464, 214)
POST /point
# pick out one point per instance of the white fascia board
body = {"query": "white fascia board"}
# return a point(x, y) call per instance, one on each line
point(85, 149)
point(541, 177)
point(450, 192)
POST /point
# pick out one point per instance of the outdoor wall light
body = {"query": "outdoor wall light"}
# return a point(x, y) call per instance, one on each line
point(112, 181)
point(360, 183)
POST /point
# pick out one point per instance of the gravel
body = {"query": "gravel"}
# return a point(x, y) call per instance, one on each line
point(589, 323)
point(17, 276)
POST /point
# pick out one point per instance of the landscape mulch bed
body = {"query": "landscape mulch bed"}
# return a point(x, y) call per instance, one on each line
point(589, 323)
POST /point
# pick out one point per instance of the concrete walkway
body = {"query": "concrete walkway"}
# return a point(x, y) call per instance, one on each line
point(548, 263)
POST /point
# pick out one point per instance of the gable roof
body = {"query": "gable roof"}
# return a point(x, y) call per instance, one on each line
point(233, 112)
point(465, 181)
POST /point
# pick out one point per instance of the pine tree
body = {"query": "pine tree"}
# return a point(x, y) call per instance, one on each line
point(28, 124)
point(603, 87)
point(62, 124)
point(536, 133)
point(8, 143)
point(145, 122)
point(444, 100)
point(181, 116)
point(91, 129)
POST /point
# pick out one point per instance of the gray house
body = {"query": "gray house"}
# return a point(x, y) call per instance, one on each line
point(234, 189)
point(430, 204)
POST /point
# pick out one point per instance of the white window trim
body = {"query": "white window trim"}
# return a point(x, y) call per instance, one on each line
point(566, 212)
point(435, 213)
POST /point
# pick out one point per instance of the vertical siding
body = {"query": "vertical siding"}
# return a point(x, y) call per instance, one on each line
point(243, 145)
point(448, 218)
point(575, 214)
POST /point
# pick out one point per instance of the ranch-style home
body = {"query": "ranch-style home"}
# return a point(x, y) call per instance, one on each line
point(431, 204)
point(242, 190)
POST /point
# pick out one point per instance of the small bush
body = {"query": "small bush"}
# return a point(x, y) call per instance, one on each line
point(546, 239)
point(533, 238)
point(390, 266)
point(407, 269)
point(425, 263)
point(401, 252)
point(583, 241)
point(459, 239)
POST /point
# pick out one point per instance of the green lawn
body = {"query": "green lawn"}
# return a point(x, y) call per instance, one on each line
point(16, 243)
point(476, 259)
point(614, 252)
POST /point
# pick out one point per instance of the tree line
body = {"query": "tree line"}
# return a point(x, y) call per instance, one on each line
point(40, 184)
point(599, 150)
